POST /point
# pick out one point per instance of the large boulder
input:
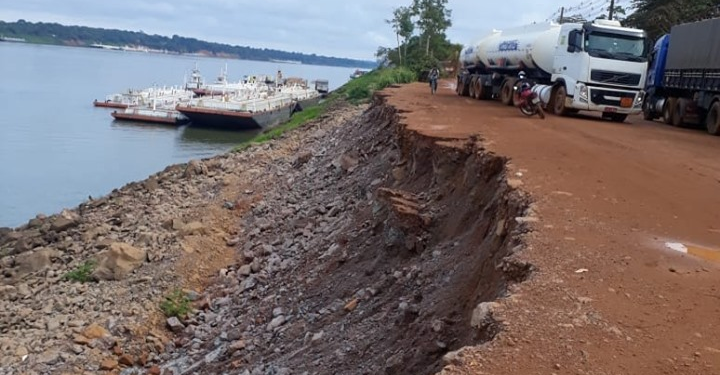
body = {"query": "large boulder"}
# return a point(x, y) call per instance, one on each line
point(118, 261)
point(66, 220)
point(34, 261)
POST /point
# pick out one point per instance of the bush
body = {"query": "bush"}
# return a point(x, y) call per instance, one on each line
point(81, 273)
point(176, 304)
point(362, 88)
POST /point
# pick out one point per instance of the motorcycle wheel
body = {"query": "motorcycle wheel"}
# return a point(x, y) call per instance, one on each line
point(526, 109)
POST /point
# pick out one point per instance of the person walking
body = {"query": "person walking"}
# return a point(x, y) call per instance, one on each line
point(433, 77)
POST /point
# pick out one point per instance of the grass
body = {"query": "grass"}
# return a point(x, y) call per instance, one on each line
point(82, 273)
point(356, 91)
point(176, 304)
point(362, 88)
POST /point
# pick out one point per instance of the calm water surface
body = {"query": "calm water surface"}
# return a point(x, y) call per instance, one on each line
point(56, 149)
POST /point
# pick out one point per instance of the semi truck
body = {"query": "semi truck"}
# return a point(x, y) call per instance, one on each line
point(596, 66)
point(683, 84)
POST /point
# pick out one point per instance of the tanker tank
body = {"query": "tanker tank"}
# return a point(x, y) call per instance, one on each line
point(529, 48)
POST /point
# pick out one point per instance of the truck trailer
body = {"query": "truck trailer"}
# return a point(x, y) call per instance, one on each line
point(596, 66)
point(683, 84)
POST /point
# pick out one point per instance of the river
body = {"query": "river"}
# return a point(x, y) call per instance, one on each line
point(56, 149)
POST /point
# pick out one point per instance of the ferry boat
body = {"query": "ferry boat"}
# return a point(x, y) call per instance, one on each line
point(144, 97)
point(231, 113)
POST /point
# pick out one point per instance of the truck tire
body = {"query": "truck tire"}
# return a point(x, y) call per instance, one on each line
point(471, 87)
point(647, 111)
point(507, 92)
point(676, 119)
point(557, 103)
point(669, 110)
point(480, 89)
point(458, 86)
point(712, 121)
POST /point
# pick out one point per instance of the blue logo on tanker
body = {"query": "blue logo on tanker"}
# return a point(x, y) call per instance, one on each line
point(509, 45)
point(469, 51)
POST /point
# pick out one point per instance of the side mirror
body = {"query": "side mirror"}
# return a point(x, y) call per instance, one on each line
point(575, 41)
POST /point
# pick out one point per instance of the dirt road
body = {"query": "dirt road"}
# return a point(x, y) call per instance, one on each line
point(607, 295)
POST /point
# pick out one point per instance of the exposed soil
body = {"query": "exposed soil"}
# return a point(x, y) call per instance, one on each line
point(429, 233)
point(391, 247)
point(607, 296)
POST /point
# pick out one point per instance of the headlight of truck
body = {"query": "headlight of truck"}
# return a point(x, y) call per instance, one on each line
point(583, 92)
point(639, 99)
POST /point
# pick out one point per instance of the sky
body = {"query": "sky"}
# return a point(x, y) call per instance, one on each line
point(340, 28)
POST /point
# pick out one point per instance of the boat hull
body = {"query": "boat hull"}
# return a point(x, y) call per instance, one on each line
point(170, 119)
point(236, 120)
point(110, 104)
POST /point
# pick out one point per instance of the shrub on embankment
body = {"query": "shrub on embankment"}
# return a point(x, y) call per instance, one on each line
point(356, 91)
point(361, 89)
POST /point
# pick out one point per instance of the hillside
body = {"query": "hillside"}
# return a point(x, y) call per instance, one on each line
point(81, 36)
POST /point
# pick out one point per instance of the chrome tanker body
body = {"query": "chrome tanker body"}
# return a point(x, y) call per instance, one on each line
point(596, 66)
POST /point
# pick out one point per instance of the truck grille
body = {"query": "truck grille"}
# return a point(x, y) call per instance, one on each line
point(618, 78)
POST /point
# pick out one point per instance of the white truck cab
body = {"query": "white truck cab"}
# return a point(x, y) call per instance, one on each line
point(599, 66)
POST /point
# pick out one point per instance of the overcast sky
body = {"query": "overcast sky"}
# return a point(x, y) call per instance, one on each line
point(341, 28)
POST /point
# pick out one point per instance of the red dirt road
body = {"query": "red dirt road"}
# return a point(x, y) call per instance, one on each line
point(608, 197)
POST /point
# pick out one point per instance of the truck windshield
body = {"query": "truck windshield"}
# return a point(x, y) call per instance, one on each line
point(615, 46)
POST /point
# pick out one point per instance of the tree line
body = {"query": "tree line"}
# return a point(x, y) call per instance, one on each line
point(420, 33)
point(656, 17)
point(54, 33)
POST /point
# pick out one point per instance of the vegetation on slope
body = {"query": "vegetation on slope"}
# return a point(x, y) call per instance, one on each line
point(356, 91)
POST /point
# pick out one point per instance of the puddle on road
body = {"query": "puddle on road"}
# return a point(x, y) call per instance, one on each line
point(712, 255)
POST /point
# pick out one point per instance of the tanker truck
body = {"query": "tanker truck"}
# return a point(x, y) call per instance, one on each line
point(683, 83)
point(596, 66)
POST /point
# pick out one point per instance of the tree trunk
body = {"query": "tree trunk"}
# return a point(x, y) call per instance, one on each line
point(427, 46)
point(397, 36)
point(405, 43)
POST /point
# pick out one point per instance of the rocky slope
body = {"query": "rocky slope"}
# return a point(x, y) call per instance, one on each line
point(350, 246)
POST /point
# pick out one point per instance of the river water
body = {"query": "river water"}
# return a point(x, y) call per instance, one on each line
point(56, 149)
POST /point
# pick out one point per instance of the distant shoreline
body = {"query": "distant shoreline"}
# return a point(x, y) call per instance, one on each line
point(171, 53)
point(91, 37)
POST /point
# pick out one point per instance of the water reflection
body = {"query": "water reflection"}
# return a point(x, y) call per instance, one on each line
point(141, 126)
point(208, 136)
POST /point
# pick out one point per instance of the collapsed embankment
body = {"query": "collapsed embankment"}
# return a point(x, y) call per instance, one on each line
point(392, 259)
point(350, 246)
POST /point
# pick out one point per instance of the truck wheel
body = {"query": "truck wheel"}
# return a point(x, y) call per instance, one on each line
point(458, 86)
point(647, 111)
point(676, 119)
point(712, 121)
point(507, 92)
point(669, 110)
point(618, 117)
point(558, 101)
point(471, 88)
point(479, 89)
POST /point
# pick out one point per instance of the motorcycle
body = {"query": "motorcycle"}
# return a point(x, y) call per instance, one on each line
point(527, 100)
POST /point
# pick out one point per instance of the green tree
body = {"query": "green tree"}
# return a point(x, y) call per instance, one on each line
point(433, 18)
point(656, 17)
point(404, 27)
